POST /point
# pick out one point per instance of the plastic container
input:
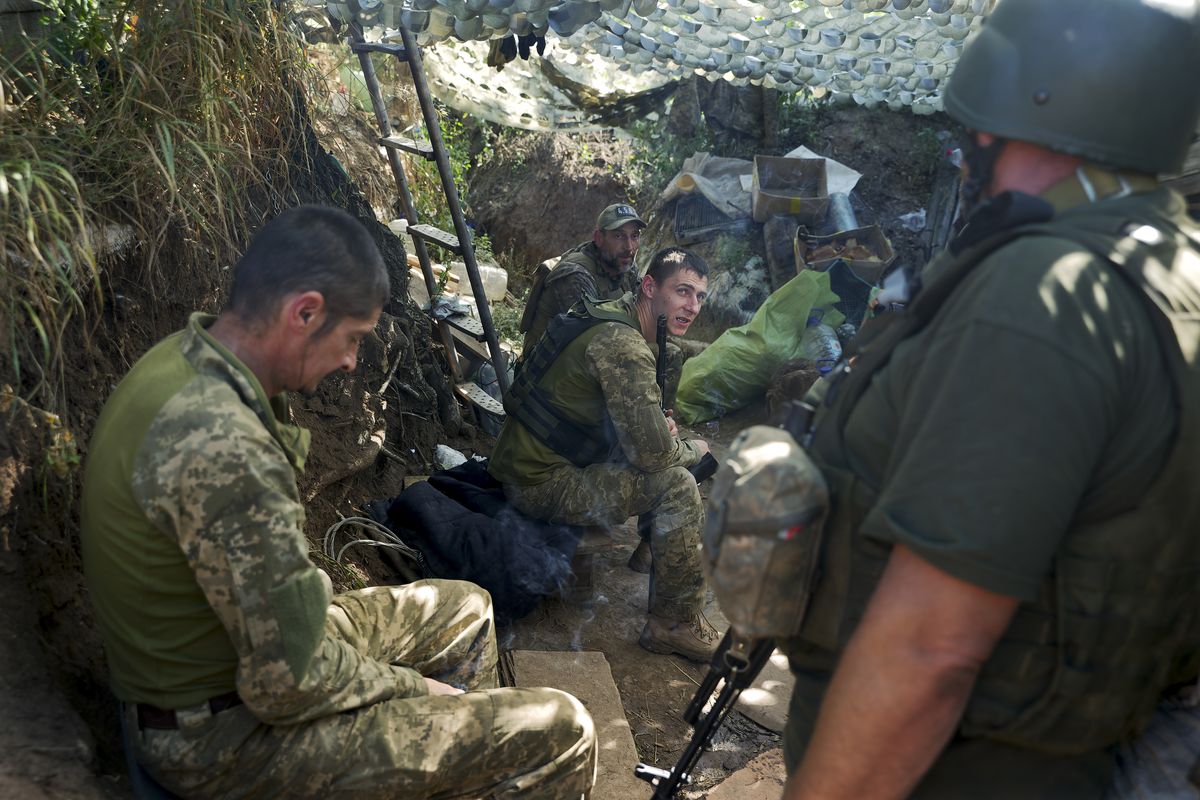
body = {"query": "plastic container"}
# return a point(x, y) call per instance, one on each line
point(495, 279)
point(821, 345)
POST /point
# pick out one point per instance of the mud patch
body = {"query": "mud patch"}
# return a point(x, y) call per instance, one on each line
point(538, 195)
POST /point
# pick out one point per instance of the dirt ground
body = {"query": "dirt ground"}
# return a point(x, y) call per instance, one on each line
point(59, 733)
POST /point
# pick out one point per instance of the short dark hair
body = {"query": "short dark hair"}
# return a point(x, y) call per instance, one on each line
point(669, 260)
point(311, 248)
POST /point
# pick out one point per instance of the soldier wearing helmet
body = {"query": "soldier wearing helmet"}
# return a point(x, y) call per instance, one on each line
point(1009, 580)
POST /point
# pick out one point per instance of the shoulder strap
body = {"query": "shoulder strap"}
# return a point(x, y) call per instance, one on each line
point(529, 403)
point(1011, 216)
point(534, 298)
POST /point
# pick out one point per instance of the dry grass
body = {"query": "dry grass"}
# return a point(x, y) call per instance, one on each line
point(154, 119)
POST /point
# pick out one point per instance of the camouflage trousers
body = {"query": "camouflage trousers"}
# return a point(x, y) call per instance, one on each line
point(488, 742)
point(606, 495)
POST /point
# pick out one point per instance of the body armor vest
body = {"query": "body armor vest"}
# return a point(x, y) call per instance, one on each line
point(530, 403)
point(1118, 620)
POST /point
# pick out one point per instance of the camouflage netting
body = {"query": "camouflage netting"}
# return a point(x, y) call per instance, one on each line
point(892, 52)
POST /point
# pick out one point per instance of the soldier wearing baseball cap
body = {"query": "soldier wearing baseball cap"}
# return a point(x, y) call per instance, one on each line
point(616, 215)
point(601, 269)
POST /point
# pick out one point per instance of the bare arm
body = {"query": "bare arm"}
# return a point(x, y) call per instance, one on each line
point(902, 684)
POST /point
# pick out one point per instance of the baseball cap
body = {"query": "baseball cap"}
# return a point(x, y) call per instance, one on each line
point(617, 215)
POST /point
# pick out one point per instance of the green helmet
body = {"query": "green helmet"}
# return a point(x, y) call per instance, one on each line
point(1113, 81)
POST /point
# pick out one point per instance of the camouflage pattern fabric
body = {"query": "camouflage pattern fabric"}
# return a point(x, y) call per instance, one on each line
point(190, 498)
point(503, 743)
point(609, 369)
point(606, 495)
point(606, 370)
point(578, 274)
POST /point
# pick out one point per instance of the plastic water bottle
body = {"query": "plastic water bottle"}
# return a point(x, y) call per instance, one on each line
point(821, 345)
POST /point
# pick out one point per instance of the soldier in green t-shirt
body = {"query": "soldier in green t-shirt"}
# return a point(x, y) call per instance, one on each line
point(239, 672)
point(1010, 573)
point(586, 441)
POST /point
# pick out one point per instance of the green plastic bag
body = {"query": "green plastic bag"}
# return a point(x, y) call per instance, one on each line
point(736, 369)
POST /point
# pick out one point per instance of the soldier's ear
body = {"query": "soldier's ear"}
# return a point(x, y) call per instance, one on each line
point(648, 286)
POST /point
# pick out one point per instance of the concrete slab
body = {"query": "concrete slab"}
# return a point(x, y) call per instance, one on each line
point(761, 779)
point(766, 701)
point(587, 676)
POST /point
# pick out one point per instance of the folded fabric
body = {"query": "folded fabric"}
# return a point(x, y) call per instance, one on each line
point(466, 530)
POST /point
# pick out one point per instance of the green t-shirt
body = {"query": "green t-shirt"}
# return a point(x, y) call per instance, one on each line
point(1037, 396)
point(194, 550)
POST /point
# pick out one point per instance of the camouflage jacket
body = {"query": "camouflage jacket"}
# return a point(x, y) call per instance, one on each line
point(607, 370)
point(577, 274)
point(194, 548)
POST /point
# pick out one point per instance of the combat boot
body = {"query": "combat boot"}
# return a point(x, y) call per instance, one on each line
point(641, 558)
point(695, 639)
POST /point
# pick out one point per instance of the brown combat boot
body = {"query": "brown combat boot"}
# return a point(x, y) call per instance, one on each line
point(641, 558)
point(695, 639)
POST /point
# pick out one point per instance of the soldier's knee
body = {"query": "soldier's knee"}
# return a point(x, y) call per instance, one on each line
point(572, 720)
point(471, 598)
point(680, 488)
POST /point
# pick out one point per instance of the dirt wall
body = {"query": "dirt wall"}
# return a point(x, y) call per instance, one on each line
point(49, 635)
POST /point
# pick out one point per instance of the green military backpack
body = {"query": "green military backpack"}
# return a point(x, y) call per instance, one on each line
point(762, 534)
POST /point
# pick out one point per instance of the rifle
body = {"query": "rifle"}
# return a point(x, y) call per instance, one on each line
point(706, 466)
point(660, 360)
point(734, 666)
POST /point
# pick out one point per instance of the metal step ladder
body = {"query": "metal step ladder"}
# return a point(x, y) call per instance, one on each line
point(462, 336)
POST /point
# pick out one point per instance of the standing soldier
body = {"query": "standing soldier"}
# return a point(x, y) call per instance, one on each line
point(1010, 575)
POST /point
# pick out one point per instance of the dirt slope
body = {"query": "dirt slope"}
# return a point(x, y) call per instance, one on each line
point(60, 719)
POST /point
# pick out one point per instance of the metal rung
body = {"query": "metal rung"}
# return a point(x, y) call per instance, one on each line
point(473, 393)
point(436, 236)
point(396, 50)
point(467, 324)
point(422, 149)
point(467, 342)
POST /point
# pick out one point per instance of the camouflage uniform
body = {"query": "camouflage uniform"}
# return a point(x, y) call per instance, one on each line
point(197, 564)
point(609, 371)
point(577, 274)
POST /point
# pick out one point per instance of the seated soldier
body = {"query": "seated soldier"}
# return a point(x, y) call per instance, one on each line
point(601, 269)
point(240, 674)
point(586, 441)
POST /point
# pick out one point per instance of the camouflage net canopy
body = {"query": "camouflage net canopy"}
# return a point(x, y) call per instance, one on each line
point(892, 52)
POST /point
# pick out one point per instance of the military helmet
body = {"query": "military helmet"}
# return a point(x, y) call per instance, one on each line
point(1113, 81)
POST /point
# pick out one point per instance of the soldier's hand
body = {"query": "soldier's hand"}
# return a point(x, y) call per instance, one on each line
point(437, 687)
point(672, 428)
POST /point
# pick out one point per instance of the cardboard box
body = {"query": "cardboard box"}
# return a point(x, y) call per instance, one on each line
point(793, 186)
point(865, 250)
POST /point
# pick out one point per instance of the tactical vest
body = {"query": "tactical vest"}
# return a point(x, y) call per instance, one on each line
point(1118, 621)
point(530, 403)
